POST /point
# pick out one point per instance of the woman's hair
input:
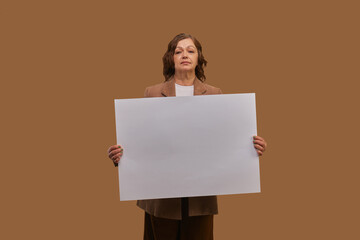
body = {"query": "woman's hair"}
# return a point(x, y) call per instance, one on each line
point(168, 58)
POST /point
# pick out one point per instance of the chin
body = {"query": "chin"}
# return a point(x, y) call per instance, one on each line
point(188, 68)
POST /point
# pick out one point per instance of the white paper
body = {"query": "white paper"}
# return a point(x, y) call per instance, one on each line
point(187, 146)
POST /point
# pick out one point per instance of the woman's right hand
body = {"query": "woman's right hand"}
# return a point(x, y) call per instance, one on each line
point(115, 152)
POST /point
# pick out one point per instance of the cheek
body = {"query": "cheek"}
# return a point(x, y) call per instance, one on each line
point(197, 59)
point(176, 60)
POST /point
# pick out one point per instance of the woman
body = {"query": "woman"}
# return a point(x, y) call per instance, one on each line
point(181, 218)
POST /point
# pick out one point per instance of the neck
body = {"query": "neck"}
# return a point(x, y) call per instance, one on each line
point(185, 78)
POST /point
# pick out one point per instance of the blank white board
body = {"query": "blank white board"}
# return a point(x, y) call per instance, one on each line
point(187, 146)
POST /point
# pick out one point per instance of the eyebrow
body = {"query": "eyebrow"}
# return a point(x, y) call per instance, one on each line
point(191, 46)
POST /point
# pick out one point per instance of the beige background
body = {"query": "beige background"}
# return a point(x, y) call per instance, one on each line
point(64, 62)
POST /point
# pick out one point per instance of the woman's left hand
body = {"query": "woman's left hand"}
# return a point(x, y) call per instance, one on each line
point(260, 145)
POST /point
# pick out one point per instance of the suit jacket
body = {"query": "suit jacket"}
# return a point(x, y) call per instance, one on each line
point(171, 207)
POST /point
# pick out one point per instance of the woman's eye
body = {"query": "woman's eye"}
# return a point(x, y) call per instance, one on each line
point(177, 52)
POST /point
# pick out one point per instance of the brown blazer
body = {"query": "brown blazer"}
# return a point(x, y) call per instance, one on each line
point(171, 207)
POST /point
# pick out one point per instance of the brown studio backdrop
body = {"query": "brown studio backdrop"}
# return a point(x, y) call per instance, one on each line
point(63, 63)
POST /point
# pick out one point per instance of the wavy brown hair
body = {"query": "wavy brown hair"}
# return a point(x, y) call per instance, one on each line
point(168, 58)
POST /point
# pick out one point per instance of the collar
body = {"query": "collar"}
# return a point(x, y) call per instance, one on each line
point(168, 90)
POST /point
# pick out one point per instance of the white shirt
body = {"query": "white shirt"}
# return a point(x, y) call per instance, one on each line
point(184, 90)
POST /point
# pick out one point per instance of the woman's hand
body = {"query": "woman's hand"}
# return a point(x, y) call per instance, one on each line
point(260, 145)
point(115, 152)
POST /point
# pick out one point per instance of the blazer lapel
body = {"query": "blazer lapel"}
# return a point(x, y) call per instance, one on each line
point(168, 89)
point(199, 87)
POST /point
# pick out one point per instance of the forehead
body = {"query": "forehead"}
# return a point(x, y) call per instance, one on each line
point(188, 42)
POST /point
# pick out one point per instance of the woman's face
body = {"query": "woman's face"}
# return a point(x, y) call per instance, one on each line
point(185, 55)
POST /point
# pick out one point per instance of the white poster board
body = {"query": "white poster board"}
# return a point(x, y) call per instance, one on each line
point(187, 146)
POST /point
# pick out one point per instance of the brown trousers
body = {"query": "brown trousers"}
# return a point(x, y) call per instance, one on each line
point(188, 228)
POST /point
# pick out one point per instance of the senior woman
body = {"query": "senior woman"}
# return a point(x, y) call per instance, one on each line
point(192, 217)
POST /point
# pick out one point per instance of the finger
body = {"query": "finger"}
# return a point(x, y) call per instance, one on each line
point(113, 148)
point(259, 147)
point(260, 153)
point(261, 143)
point(116, 151)
point(119, 155)
point(258, 138)
point(117, 160)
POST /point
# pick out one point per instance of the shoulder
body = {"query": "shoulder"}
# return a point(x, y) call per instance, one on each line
point(212, 89)
point(154, 90)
